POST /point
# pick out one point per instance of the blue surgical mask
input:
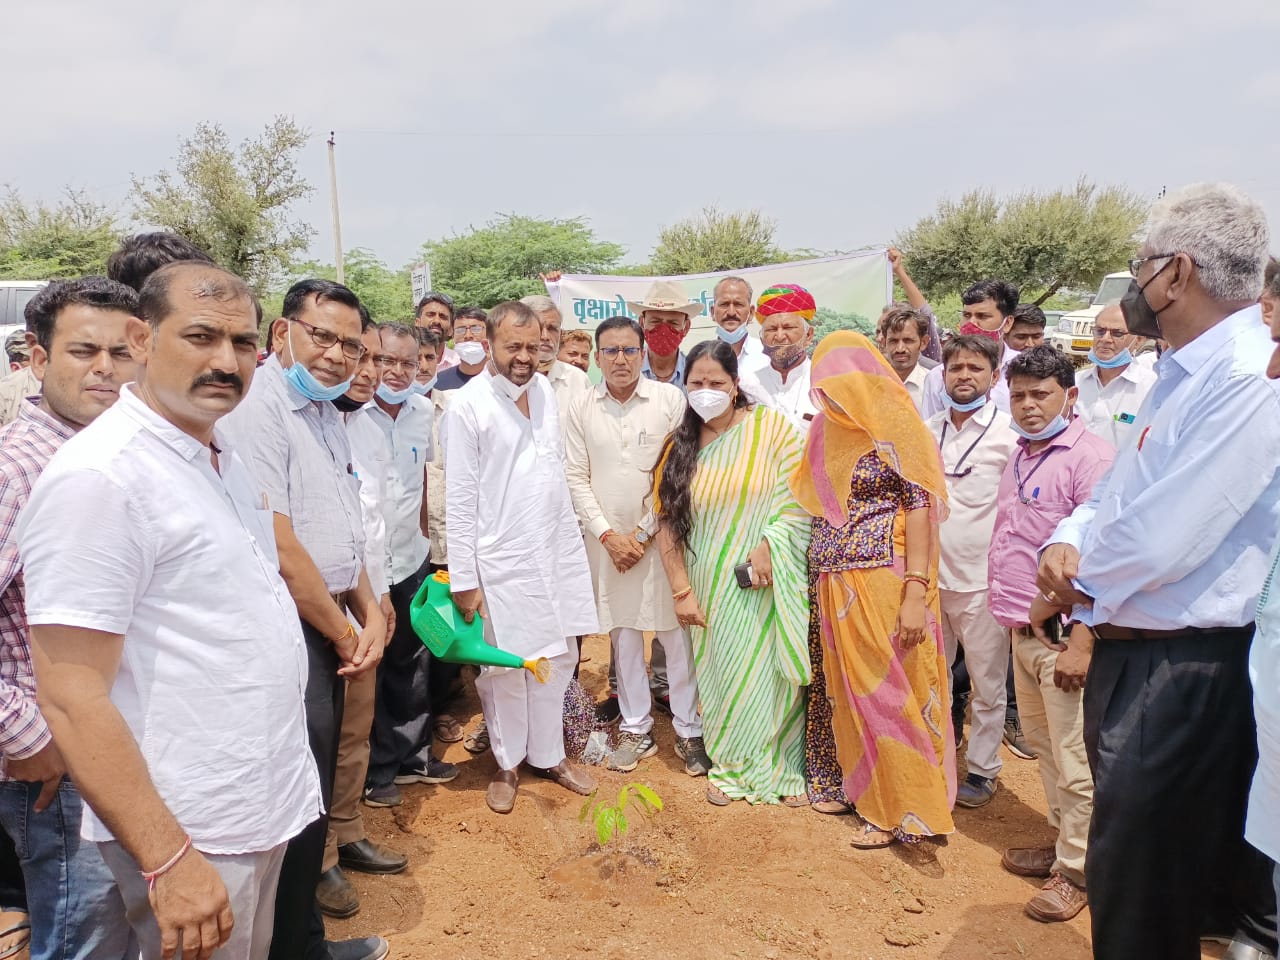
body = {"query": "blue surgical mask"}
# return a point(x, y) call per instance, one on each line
point(1121, 359)
point(395, 396)
point(422, 389)
point(305, 382)
point(732, 336)
point(977, 403)
point(1051, 430)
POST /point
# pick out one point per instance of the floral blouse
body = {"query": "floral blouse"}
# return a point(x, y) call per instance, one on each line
point(866, 540)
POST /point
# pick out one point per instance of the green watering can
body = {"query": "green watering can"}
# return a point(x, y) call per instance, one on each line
point(439, 625)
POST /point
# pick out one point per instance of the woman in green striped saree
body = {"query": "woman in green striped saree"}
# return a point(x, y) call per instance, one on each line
point(722, 497)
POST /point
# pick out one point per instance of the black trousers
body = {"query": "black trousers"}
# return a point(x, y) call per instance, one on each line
point(299, 927)
point(402, 720)
point(442, 675)
point(1168, 725)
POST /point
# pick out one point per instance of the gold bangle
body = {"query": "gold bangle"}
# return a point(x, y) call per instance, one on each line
point(916, 575)
point(682, 594)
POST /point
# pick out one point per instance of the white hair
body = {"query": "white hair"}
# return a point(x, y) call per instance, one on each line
point(1221, 229)
point(540, 303)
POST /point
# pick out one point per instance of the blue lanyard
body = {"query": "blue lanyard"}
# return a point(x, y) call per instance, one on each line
point(1018, 478)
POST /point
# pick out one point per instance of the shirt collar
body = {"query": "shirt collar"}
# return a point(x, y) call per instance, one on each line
point(676, 378)
point(1194, 355)
point(275, 373)
point(183, 443)
point(644, 390)
point(1067, 438)
point(916, 376)
point(33, 413)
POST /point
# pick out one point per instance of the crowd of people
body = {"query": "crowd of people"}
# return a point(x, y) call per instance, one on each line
point(839, 551)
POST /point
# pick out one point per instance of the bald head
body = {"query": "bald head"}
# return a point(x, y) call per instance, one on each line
point(1110, 335)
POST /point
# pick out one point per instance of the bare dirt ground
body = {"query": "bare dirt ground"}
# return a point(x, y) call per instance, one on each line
point(695, 881)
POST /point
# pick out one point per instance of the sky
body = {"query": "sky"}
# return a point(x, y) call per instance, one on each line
point(844, 122)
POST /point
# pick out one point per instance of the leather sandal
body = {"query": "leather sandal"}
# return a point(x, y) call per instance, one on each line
point(832, 808)
point(870, 837)
point(15, 933)
point(717, 797)
point(501, 795)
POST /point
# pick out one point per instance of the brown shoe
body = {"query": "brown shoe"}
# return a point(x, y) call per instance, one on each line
point(569, 777)
point(335, 896)
point(501, 795)
point(1059, 899)
point(1030, 861)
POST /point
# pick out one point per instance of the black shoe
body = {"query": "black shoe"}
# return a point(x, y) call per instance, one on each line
point(335, 896)
point(662, 702)
point(367, 857)
point(608, 711)
point(436, 771)
point(362, 948)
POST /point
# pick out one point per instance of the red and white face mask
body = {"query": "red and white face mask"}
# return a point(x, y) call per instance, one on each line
point(664, 340)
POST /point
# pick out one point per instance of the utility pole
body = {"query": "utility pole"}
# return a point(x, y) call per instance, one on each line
point(333, 197)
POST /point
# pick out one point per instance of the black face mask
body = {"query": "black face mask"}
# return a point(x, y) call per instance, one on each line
point(1138, 315)
point(345, 404)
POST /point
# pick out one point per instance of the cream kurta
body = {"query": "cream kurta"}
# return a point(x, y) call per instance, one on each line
point(610, 448)
point(512, 530)
point(435, 484)
point(567, 381)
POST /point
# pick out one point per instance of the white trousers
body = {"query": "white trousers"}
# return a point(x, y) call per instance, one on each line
point(966, 621)
point(250, 879)
point(634, 698)
point(525, 717)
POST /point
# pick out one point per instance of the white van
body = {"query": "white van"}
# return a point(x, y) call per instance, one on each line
point(14, 295)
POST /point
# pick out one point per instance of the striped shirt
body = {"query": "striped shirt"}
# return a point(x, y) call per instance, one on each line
point(26, 446)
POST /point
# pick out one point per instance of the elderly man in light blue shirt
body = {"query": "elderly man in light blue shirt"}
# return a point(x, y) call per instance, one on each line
point(1162, 571)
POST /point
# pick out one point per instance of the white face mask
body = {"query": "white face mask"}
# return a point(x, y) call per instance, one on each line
point(708, 404)
point(470, 352)
point(510, 390)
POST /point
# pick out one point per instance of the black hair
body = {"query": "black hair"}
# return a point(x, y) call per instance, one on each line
point(1030, 315)
point(1042, 363)
point(366, 319)
point(214, 284)
point(1004, 294)
point(443, 299)
point(396, 330)
point(101, 293)
point(982, 346)
point(679, 457)
point(471, 313)
point(513, 309)
point(427, 337)
point(143, 254)
point(898, 315)
point(621, 323)
point(295, 300)
point(1271, 278)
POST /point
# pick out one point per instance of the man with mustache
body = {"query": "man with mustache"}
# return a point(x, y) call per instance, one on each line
point(516, 556)
point(80, 359)
point(988, 312)
point(187, 737)
point(786, 312)
point(296, 445)
point(436, 312)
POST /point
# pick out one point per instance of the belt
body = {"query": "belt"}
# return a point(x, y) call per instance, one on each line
point(1108, 631)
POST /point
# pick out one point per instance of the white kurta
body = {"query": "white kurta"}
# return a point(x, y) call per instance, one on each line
point(512, 530)
point(567, 381)
point(610, 449)
point(790, 397)
point(1112, 411)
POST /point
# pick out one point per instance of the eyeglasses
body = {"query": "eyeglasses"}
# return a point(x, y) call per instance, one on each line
point(468, 331)
point(1101, 333)
point(324, 339)
point(611, 353)
point(1139, 261)
point(409, 366)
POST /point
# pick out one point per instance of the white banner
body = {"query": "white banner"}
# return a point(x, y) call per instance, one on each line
point(420, 280)
point(852, 287)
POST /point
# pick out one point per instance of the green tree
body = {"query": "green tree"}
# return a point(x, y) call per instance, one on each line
point(827, 321)
point(713, 241)
point(1041, 241)
point(503, 259)
point(234, 202)
point(385, 293)
point(71, 238)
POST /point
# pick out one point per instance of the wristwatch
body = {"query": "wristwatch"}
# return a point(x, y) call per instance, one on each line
point(642, 537)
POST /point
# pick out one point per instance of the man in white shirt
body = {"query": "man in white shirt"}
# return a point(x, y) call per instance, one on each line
point(394, 431)
point(976, 440)
point(295, 443)
point(613, 436)
point(988, 311)
point(786, 313)
point(516, 549)
point(188, 740)
point(1112, 390)
point(436, 312)
point(1163, 569)
point(567, 381)
point(733, 309)
point(902, 336)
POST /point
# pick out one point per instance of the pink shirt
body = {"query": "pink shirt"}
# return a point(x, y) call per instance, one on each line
point(1053, 483)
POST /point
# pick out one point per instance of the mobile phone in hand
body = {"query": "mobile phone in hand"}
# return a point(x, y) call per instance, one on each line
point(743, 574)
